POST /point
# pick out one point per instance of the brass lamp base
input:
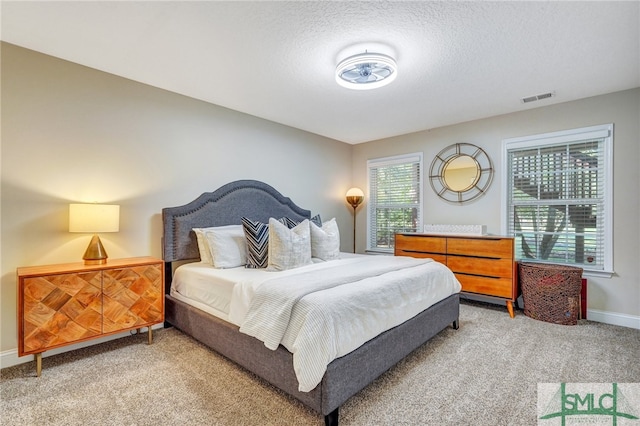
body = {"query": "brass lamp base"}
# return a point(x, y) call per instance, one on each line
point(95, 253)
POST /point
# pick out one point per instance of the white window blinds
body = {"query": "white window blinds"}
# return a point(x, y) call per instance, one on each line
point(395, 199)
point(559, 197)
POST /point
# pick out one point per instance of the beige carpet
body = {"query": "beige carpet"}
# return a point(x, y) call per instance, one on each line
point(485, 373)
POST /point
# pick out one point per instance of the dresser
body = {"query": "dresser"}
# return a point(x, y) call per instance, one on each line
point(484, 265)
point(62, 304)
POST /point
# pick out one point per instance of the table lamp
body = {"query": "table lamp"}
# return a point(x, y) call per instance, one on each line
point(355, 196)
point(94, 218)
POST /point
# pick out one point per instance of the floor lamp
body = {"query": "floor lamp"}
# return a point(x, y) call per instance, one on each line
point(355, 196)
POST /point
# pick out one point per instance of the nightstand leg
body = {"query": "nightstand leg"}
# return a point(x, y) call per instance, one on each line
point(150, 335)
point(38, 358)
point(510, 308)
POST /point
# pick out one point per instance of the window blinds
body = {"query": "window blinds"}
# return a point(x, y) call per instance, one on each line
point(395, 199)
point(557, 200)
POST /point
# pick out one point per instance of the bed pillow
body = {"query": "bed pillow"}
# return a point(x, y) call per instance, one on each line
point(257, 237)
point(203, 245)
point(291, 222)
point(228, 246)
point(288, 248)
point(316, 219)
point(288, 222)
point(325, 240)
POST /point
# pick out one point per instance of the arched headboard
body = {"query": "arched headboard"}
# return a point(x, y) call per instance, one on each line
point(224, 206)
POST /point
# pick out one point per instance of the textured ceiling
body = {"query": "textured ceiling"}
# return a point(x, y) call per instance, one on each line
point(457, 61)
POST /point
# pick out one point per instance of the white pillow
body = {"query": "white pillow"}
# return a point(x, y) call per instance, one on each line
point(288, 248)
point(203, 245)
point(227, 245)
point(325, 241)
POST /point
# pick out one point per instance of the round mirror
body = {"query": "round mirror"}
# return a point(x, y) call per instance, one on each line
point(460, 173)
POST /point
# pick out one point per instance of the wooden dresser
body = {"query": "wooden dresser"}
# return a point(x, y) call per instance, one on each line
point(69, 303)
point(484, 265)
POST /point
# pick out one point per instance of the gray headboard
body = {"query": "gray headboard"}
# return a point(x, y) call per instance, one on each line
point(224, 206)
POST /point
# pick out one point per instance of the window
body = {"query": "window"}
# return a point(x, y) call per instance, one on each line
point(559, 197)
point(395, 199)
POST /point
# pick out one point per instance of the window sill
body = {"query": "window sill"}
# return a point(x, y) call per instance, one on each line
point(598, 274)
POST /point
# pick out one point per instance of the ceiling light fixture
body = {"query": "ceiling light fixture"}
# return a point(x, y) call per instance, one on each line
point(366, 71)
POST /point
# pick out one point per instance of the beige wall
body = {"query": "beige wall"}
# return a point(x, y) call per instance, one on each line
point(74, 134)
point(617, 295)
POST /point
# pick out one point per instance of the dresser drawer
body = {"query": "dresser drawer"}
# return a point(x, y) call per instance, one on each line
point(502, 268)
point(419, 244)
point(435, 256)
point(500, 287)
point(498, 248)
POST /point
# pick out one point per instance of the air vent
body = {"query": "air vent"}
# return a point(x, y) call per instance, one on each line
point(537, 97)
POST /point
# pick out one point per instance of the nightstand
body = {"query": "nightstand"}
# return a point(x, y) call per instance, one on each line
point(59, 305)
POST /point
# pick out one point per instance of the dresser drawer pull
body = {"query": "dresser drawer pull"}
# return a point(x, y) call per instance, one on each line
point(419, 251)
point(477, 275)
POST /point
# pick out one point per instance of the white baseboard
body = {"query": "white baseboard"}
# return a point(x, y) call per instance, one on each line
point(613, 318)
point(606, 317)
point(10, 358)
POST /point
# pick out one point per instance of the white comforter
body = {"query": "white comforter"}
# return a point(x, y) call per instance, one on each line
point(326, 311)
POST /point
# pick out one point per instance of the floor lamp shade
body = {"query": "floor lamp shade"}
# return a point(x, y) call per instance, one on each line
point(355, 197)
point(94, 219)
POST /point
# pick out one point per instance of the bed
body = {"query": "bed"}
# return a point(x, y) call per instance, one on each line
point(343, 376)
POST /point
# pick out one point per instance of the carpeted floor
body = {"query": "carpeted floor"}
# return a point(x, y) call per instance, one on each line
point(485, 373)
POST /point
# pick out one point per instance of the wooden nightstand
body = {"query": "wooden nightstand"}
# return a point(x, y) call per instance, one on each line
point(69, 303)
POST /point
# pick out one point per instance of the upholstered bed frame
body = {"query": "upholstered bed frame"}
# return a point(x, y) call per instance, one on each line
point(345, 376)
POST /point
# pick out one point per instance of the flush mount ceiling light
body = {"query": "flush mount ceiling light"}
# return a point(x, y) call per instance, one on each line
point(366, 71)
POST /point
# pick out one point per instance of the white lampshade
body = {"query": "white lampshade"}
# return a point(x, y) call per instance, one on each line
point(355, 192)
point(94, 218)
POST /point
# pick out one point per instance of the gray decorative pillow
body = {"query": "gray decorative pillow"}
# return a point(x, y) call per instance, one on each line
point(288, 248)
point(325, 240)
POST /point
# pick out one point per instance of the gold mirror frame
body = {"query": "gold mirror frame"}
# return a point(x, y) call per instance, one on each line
point(461, 173)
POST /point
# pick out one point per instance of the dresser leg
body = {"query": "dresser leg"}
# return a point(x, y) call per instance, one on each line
point(510, 308)
point(38, 358)
point(150, 335)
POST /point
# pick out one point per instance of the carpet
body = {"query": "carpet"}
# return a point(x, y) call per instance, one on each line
point(485, 373)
